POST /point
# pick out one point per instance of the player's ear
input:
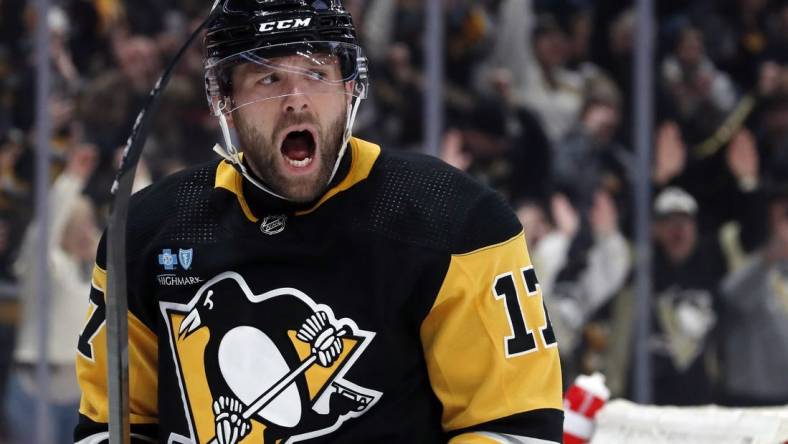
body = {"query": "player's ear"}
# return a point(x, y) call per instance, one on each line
point(349, 88)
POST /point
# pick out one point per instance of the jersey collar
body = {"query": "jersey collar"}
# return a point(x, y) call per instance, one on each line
point(362, 157)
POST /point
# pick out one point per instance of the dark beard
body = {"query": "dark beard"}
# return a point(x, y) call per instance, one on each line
point(262, 155)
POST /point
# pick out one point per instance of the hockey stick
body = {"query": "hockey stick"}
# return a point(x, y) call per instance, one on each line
point(117, 299)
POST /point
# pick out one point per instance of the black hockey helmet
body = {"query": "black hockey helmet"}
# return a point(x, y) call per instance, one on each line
point(261, 31)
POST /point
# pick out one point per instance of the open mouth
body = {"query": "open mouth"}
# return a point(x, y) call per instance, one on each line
point(298, 148)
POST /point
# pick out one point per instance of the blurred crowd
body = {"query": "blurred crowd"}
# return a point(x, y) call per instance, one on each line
point(538, 99)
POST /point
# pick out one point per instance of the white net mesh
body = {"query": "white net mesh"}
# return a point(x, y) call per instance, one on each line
point(625, 422)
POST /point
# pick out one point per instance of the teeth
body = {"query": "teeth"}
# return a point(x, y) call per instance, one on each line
point(299, 163)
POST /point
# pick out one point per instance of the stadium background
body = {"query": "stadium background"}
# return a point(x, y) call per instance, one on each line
point(537, 99)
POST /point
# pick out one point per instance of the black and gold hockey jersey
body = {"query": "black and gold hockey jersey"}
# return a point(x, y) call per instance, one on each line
point(421, 273)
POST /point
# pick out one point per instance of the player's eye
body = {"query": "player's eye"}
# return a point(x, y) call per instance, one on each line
point(268, 79)
point(318, 74)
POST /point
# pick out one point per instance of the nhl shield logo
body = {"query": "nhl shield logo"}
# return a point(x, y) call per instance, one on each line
point(185, 257)
point(273, 224)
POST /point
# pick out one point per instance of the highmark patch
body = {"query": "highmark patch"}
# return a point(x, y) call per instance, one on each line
point(171, 280)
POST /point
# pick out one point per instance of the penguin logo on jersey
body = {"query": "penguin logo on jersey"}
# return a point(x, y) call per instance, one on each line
point(263, 367)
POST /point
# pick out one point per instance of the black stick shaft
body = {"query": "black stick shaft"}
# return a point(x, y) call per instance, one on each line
point(117, 297)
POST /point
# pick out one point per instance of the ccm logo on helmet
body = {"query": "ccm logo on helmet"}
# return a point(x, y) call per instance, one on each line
point(285, 24)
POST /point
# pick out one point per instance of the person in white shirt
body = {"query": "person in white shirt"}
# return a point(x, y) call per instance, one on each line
point(73, 238)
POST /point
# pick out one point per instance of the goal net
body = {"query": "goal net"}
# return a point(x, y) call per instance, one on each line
point(625, 422)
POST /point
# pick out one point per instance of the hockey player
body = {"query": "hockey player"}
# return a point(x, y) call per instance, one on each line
point(310, 286)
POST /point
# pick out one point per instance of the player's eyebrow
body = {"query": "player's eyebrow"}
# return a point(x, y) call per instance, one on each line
point(254, 68)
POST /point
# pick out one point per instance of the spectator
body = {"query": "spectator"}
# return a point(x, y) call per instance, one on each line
point(398, 99)
point(112, 100)
point(755, 338)
point(379, 27)
point(573, 298)
point(468, 39)
point(589, 161)
point(515, 21)
point(174, 147)
point(551, 90)
point(686, 276)
point(110, 103)
point(700, 93)
point(68, 78)
point(589, 157)
point(615, 55)
point(727, 182)
point(506, 145)
point(73, 240)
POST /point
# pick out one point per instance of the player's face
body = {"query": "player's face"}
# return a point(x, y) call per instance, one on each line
point(291, 139)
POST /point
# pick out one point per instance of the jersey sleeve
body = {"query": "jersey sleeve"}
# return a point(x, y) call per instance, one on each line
point(490, 350)
point(91, 369)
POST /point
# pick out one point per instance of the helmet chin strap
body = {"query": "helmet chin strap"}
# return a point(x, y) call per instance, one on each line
point(231, 154)
point(352, 109)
